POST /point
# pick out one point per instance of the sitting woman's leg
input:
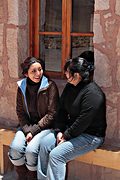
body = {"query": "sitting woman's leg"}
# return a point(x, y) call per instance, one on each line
point(67, 151)
point(17, 149)
point(16, 154)
point(46, 145)
point(32, 150)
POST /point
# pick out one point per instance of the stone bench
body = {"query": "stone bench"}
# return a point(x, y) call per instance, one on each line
point(101, 163)
point(6, 137)
point(105, 156)
point(7, 132)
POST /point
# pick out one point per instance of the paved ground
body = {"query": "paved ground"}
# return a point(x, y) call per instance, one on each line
point(1, 177)
point(9, 176)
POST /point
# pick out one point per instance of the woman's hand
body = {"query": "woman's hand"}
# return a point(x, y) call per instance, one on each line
point(60, 138)
point(29, 137)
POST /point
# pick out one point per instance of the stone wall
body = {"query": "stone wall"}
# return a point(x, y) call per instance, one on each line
point(107, 61)
point(13, 48)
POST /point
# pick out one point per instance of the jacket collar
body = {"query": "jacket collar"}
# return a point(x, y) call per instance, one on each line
point(23, 83)
point(44, 83)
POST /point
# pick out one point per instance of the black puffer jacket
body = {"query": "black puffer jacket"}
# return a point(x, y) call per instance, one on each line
point(82, 110)
point(47, 99)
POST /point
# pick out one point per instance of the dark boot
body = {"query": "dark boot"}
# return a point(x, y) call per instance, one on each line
point(32, 175)
point(21, 172)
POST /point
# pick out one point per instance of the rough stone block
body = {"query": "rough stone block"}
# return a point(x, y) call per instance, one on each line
point(1, 39)
point(12, 48)
point(17, 11)
point(102, 4)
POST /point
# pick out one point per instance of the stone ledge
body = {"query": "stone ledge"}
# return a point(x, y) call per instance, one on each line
point(105, 157)
point(6, 137)
point(8, 124)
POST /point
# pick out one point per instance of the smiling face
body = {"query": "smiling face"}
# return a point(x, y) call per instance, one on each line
point(35, 72)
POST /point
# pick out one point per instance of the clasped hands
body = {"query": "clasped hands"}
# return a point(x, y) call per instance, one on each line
point(60, 138)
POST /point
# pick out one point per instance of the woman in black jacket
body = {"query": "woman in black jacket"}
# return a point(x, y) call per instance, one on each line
point(80, 121)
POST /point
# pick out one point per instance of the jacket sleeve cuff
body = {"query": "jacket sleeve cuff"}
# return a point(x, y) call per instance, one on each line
point(35, 129)
point(66, 135)
point(26, 129)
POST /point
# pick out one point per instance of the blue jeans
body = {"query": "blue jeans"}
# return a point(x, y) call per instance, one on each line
point(22, 153)
point(52, 159)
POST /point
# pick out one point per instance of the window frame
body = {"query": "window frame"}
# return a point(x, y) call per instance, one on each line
point(66, 33)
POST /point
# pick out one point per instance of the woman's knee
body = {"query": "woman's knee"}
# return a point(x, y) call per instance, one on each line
point(59, 154)
point(16, 157)
point(16, 152)
point(31, 156)
point(31, 151)
point(18, 146)
point(55, 156)
point(48, 143)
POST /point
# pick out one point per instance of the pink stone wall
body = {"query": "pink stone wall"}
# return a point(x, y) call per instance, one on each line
point(107, 61)
point(13, 48)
